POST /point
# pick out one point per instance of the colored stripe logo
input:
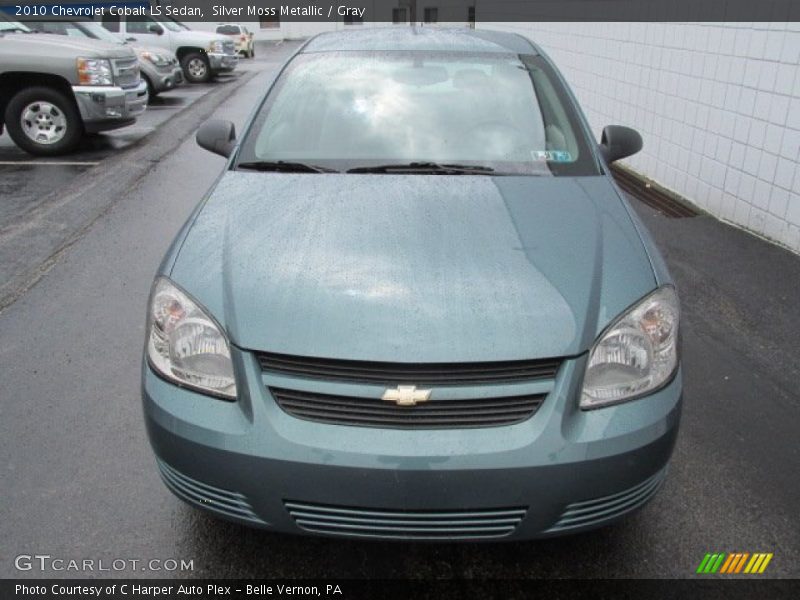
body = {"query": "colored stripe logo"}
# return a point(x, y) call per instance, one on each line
point(734, 562)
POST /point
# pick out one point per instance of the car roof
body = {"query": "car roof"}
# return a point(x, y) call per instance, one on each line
point(425, 38)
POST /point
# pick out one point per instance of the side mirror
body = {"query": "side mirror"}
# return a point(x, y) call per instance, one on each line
point(217, 136)
point(618, 142)
point(155, 28)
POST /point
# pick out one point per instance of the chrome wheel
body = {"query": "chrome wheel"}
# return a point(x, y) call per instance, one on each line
point(43, 122)
point(197, 68)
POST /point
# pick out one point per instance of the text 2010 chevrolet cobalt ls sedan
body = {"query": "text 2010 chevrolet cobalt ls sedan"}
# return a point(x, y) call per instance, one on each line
point(414, 305)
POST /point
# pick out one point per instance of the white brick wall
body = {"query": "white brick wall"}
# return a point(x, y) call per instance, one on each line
point(718, 106)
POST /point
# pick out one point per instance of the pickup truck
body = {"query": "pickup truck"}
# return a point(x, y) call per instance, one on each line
point(202, 54)
point(54, 89)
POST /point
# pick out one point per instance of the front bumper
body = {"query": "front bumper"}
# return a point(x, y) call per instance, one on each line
point(165, 78)
point(561, 471)
point(222, 62)
point(109, 107)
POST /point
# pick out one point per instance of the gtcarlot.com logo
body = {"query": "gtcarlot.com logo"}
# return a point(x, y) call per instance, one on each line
point(733, 563)
point(46, 562)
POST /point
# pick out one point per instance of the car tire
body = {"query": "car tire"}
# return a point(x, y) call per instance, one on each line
point(253, 52)
point(151, 91)
point(196, 68)
point(43, 121)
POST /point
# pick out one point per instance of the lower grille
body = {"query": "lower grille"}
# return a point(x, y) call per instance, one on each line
point(224, 502)
point(443, 414)
point(595, 512)
point(405, 524)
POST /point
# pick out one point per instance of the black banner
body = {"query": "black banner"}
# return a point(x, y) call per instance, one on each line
point(355, 12)
point(170, 589)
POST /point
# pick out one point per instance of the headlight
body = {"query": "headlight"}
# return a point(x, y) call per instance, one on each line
point(216, 47)
point(185, 344)
point(158, 60)
point(95, 71)
point(637, 354)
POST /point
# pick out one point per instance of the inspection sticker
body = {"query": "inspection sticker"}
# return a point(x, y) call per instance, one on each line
point(552, 155)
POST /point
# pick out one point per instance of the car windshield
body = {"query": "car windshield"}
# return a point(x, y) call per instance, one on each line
point(420, 112)
point(173, 25)
point(7, 25)
point(97, 31)
point(228, 29)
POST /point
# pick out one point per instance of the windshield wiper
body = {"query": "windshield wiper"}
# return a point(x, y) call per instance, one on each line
point(425, 167)
point(285, 166)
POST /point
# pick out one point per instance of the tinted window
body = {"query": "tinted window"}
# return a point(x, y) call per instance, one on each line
point(356, 109)
point(228, 29)
point(111, 22)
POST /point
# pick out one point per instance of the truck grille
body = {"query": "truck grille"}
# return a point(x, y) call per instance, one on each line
point(443, 414)
point(405, 524)
point(386, 373)
point(126, 72)
point(229, 47)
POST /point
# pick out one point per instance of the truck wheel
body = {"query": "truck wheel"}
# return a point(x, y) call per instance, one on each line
point(195, 67)
point(43, 121)
point(253, 51)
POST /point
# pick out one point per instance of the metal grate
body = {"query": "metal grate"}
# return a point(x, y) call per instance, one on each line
point(126, 72)
point(224, 502)
point(405, 524)
point(387, 373)
point(651, 196)
point(595, 512)
point(368, 412)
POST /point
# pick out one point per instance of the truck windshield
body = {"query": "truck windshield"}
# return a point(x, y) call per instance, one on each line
point(9, 26)
point(419, 112)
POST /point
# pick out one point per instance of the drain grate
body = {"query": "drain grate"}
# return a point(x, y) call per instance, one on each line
point(651, 195)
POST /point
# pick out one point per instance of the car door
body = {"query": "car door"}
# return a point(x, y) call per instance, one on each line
point(141, 30)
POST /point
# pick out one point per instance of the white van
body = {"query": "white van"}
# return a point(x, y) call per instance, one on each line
point(202, 54)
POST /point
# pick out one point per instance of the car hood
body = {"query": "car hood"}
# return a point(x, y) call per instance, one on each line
point(46, 44)
point(153, 50)
point(413, 268)
point(203, 37)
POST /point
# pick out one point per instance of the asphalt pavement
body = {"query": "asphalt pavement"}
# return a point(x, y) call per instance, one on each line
point(79, 479)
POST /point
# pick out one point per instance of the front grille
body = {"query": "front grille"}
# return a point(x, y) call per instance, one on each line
point(388, 373)
point(595, 512)
point(224, 502)
point(126, 72)
point(405, 524)
point(229, 47)
point(443, 414)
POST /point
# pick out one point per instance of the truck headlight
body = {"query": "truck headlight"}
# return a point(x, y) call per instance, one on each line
point(216, 47)
point(186, 345)
point(158, 60)
point(636, 354)
point(95, 71)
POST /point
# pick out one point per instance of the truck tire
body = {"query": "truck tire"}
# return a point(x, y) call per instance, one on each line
point(196, 68)
point(43, 121)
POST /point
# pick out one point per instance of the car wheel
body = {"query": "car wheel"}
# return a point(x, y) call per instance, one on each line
point(195, 68)
point(151, 91)
point(253, 52)
point(43, 121)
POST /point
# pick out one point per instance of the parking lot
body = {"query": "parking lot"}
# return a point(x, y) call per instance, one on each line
point(80, 240)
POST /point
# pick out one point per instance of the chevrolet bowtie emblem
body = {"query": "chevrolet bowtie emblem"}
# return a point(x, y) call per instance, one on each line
point(406, 395)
